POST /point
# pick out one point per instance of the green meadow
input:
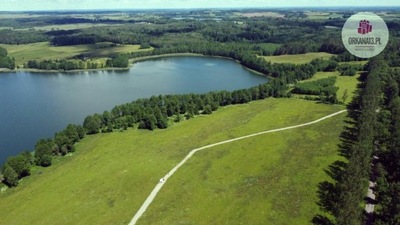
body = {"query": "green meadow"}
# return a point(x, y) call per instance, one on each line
point(355, 62)
point(298, 58)
point(270, 46)
point(43, 50)
point(269, 179)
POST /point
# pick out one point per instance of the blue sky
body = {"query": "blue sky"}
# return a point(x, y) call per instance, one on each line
point(20, 5)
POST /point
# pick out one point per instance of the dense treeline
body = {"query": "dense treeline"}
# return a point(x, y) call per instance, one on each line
point(17, 167)
point(314, 87)
point(117, 61)
point(324, 65)
point(16, 37)
point(387, 165)
point(329, 45)
point(120, 61)
point(57, 65)
point(154, 112)
point(324, 88)
point(6, 61)
point(353, 182)
point(349, 70)
point(371, 140)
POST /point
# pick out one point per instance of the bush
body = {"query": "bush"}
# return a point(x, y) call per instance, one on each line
point(207, 109)
point(321, 86)
point(45, 161)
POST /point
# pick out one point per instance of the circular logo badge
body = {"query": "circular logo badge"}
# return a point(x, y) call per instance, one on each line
point(365, 35)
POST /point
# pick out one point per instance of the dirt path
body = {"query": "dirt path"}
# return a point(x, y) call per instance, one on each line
point(158, 187)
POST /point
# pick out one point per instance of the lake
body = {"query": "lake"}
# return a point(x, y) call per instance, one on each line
point(36, 105)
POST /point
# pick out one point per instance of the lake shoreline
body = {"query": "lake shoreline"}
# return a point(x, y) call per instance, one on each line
point(131, 64)
point(61, 71)
point(144, 58)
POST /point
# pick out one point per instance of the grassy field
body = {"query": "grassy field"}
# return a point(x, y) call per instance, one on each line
point(270, 46)
point(43, 50)
point(323, 15)
point(297, 59)
point(271, 179)
point(355, 62)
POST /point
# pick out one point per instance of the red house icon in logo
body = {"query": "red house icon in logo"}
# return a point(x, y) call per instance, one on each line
point(364, 27)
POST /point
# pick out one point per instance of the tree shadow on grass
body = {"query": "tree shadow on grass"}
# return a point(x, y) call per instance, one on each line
point(321, 220)
point(328, 192)
point(335, 170)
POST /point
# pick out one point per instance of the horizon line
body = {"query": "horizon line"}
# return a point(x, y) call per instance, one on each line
point(200, 8)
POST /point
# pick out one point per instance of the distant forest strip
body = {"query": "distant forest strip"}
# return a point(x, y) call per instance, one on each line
point(240, 39)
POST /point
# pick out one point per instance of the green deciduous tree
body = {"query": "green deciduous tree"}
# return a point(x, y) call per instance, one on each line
point(92, 124)
point(43, 150)
point(10, 176)
point(20, 164)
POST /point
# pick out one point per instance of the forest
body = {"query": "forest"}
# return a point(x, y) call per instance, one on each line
point(370, 142)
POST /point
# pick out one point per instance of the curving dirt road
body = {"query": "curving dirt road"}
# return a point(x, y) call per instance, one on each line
point(163, 180)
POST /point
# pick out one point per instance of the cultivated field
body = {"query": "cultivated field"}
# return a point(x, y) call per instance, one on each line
point(299, 58)
point(323, 15)
point(270, 179)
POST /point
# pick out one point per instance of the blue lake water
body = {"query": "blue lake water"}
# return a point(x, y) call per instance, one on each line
point(36, 105)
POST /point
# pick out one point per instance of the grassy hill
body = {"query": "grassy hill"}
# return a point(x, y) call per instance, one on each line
point(270, 179)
